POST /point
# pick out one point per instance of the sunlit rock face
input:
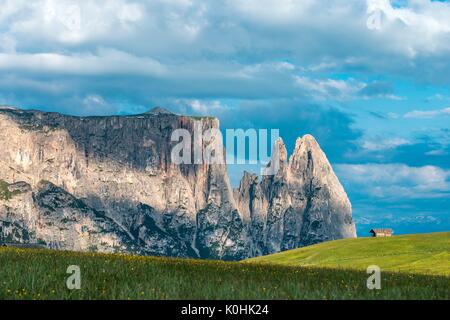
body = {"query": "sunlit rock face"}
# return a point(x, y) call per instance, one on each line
point(302, 204)
point(109, 184)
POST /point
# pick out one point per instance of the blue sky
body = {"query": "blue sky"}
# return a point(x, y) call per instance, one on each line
point(376, 96)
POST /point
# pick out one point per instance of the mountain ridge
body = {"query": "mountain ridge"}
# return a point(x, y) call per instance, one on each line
point(121, 165)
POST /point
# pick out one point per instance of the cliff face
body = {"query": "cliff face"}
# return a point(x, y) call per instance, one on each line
point(108, 184)
point(302, 204)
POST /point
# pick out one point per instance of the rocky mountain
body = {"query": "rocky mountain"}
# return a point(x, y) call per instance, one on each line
point(109, 184)
point(303, 203)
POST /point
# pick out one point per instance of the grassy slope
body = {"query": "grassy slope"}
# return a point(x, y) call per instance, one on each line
point(419, 253)
point(41, 274)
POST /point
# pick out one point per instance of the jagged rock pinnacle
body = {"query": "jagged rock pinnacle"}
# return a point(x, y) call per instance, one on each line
point(307, 153)
point(302, 204)
point(280, 148)
point(278, 159)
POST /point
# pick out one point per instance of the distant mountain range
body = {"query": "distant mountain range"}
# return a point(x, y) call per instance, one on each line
point(108, 184)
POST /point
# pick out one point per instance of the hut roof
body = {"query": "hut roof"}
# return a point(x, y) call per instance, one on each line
point(386, 230)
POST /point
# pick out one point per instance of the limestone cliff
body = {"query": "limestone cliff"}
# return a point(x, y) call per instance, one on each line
point(302, 204)
point(108, 184)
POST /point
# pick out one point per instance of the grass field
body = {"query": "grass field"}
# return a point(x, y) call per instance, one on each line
point(418, 253)
point(41, 274)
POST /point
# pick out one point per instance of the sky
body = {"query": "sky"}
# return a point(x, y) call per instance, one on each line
point(369, 79)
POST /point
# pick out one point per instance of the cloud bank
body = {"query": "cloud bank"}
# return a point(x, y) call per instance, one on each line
point(369, 78)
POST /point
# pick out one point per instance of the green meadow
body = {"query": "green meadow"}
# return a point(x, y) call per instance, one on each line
point(413, 267)
point(417, 254)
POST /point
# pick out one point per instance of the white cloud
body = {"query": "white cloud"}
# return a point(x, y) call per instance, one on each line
point(437, 152)
point(7, 44)
point(205, 107)
point(386, 144)
point(96, 104)
point(396, 181)
point(224, 49)
point(420, 114)
point(104, 62)
point(410, 29)
point(329, 88)
point(306, 29)
point(71, 22)
point(280, 12)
